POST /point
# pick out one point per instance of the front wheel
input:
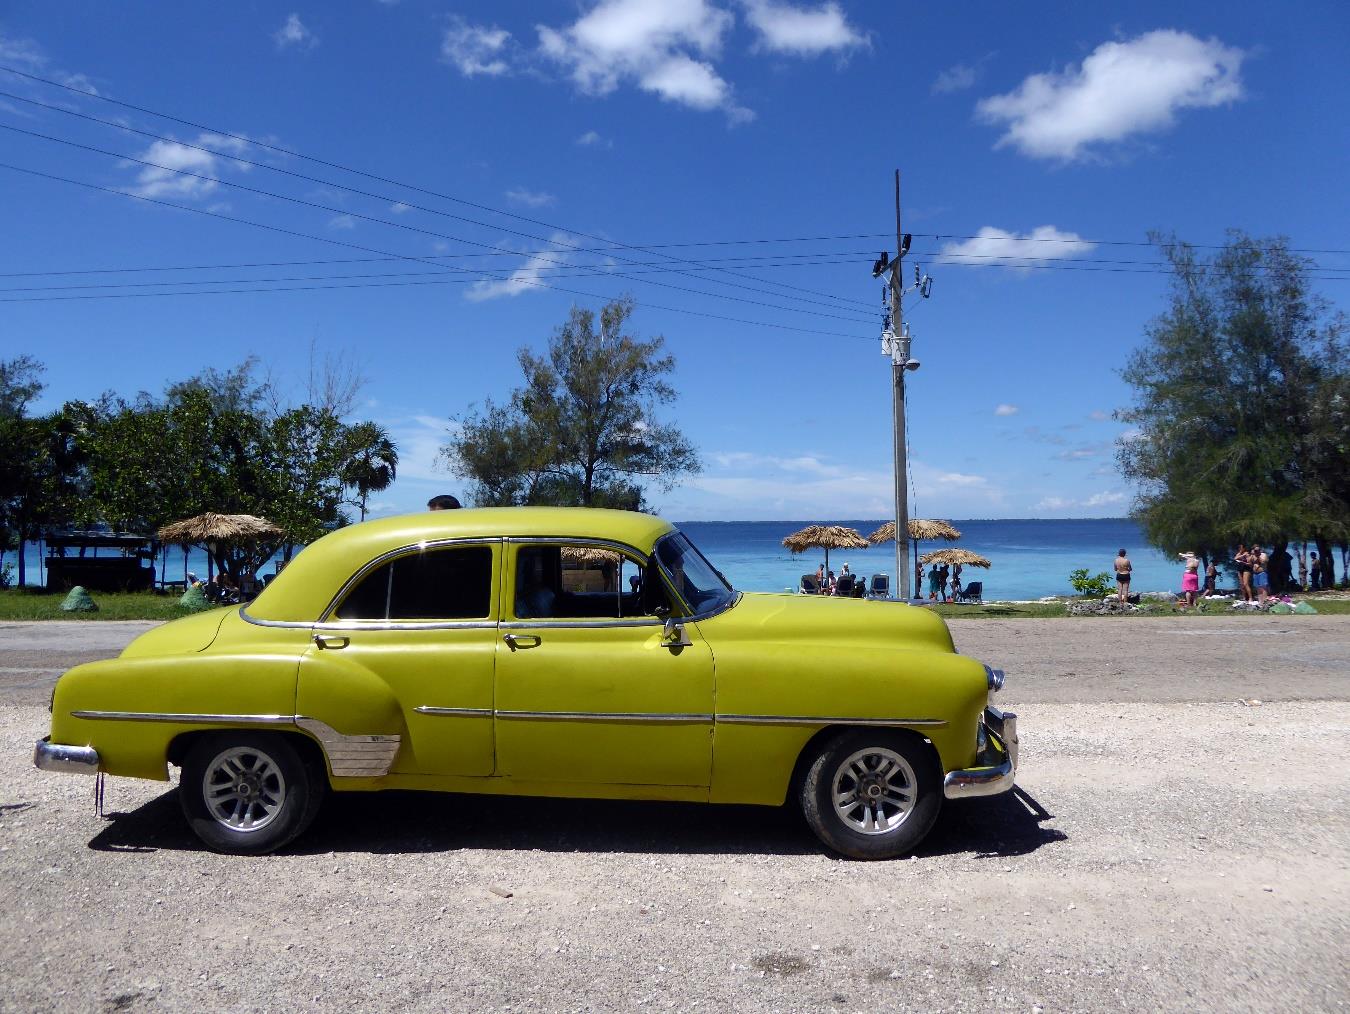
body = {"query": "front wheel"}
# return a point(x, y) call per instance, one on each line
point(248, 794)
point(872, 794)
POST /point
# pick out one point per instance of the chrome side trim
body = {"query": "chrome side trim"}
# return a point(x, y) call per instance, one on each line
point(193, 719)
point(74, 760)
point(890, 723)
point(299, 624)
point(601, 716)
point(645, 621)
point(352, 756)
point(427, 709)
point(622, 548)
point(352, 625)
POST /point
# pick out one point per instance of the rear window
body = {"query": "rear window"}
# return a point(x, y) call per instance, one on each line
point(435, 584)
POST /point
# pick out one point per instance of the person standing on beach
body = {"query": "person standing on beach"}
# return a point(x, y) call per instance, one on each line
point(933, 583)
point(956, 581)
point(942, 581)
point(1123, 570)
point(1243, 561)
point(820, 579)
point(1260, 563)
point(1315, 573)
point(1211, 575)
point(1190, 579)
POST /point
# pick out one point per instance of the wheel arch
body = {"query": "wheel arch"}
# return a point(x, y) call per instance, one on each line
point(306, 746)
point(812, 747)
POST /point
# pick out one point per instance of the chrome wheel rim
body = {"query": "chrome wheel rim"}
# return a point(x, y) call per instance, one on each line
point(874, 791)
point(244, 789)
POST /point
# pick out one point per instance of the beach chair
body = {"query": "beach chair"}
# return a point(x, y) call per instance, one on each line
point(860, 587)
point(973, 592)
point(809, 586)
point(844, 586)
point(881, 586)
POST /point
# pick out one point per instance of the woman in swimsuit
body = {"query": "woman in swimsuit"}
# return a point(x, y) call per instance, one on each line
point(1244, 572)
point(1190, 580)
point(1259, 576)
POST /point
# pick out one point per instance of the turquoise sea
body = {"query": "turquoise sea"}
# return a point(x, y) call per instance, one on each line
point(1031, 558)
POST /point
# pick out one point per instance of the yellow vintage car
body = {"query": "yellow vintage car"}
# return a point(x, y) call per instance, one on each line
point(540, 652)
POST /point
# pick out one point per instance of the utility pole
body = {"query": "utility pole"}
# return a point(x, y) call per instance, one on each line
point(899, 363)
point(895, 343)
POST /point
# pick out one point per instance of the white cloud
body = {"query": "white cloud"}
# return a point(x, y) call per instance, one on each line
point(26, 54)
point(1006, 410)
point(526, 277)
point(344, 222)
point(992, 247)
point(1098, 415)
point(530, 198)
point(592, 139)
point(1107, 498)
point(664, 48)
point(956, 78)
point(1120, 89)
point(294, 33)
point(153, 181)
point(400, 208)
point(476, 49)
point(801, 31)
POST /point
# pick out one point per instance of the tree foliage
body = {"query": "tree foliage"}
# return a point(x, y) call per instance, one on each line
point(220, 441)
point(582, 429)
point(1242, 406)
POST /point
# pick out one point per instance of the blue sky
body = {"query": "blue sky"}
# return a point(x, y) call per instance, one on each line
point(1057, 136)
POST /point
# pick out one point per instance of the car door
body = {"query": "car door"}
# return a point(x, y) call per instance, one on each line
point(416, 630)
point(589, 687)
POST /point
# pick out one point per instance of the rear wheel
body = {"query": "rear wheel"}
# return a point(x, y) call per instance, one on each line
point(247, 794)
point(872, 794)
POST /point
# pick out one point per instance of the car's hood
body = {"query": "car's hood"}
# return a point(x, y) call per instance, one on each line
point(835, 621)
point(177, 637)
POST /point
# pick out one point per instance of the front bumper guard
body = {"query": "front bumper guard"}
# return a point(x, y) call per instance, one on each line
point(996, 767)
point(78, 760)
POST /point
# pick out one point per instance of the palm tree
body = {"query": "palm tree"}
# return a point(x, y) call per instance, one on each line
point(372, 462)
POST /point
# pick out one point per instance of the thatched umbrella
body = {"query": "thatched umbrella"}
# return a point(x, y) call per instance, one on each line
point(825, 537)
point(920, 529)
point(251, 540)
point(954, 556)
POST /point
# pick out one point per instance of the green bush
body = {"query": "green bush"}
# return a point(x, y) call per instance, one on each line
point(1090, 587)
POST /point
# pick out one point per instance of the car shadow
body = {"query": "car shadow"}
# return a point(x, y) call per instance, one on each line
point(398, 822)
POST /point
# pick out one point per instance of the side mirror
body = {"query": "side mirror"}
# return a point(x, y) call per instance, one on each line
point(673, 635)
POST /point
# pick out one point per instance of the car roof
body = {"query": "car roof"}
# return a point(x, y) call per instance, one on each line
point(308, 583)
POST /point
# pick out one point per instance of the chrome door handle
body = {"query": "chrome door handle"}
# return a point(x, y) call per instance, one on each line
point(514, 641)
point(331, 642)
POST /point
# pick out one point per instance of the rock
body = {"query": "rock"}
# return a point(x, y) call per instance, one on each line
point(78, 601)
point(1100, 607)
point(501, 892)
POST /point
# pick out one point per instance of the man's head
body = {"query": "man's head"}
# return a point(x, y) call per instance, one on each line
point(1314, 556)
point(443, 502)
point(1122, 552)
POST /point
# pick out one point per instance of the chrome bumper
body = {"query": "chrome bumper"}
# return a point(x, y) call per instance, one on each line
point(996, 766)
point(78, 760)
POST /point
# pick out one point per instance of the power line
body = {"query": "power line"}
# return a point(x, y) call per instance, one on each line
point(357, 246)
point(341, 168)
point(405, 226)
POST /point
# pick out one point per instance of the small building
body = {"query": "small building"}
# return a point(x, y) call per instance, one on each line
point(126, 562)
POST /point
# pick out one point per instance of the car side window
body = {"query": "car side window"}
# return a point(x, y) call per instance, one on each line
point(454, 583)
point(583, 582)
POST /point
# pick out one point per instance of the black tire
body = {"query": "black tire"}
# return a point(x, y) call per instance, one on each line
point(247, 793)
point(901, 769)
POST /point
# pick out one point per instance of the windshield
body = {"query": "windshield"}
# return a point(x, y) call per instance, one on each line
point(698, 581)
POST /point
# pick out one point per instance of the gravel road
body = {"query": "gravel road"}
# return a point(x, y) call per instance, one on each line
point(1173, 846)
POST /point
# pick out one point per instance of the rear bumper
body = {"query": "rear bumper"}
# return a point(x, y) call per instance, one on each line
point(996, 763)
point(79, 760)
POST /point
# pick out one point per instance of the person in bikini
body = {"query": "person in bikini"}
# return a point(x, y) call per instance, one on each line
point(1190, 580)
point(1123, 569)
point(1242, 560)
